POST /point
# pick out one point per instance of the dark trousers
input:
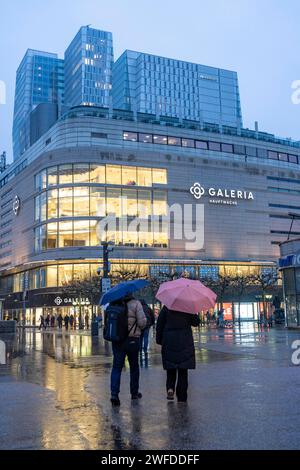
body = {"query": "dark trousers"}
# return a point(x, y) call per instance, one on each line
point(131, 350)
point(181, 376)
point(144, 340)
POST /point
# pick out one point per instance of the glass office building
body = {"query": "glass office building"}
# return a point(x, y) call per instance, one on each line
point(166, 87)
point(88, 68)
point(40, 79)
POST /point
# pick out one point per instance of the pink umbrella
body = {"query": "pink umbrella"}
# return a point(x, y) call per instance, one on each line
point(185, 295)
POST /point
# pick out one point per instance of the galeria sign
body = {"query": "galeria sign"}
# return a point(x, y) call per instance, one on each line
point(198, 191)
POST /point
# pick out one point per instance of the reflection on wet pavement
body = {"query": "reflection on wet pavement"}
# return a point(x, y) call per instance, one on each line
point(56, 389)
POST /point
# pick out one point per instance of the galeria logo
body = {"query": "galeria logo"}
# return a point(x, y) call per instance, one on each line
point(218, 195)
point(197, 191)
point(58, 301)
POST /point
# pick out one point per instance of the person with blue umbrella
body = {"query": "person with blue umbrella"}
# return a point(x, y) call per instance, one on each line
point(124, 322)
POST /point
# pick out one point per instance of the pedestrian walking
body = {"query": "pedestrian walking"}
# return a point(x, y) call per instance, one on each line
point(208, 318)
point(87, 320)
point(66, 320)
point(270, 320)
point(174, 334)
point(124, 321)
point(47, 321)
point(52, 321)
point(182, 299)
point(60, 321)
point(220, 320)
point(42, 323)
point(71, 321)
point(144, 338)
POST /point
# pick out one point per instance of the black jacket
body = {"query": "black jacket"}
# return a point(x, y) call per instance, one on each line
point(174, 333)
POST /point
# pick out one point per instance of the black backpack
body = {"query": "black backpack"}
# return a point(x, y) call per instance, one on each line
point(116, 323)
point(149, 314)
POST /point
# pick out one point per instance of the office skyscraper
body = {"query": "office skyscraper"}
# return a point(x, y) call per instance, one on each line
point(168, 87)
point(88, 68)
point(40, 79)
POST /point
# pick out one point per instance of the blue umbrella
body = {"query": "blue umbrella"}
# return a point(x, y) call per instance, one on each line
point(122, 289)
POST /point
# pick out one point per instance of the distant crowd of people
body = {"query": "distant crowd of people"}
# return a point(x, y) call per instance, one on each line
point(59, 321)
point(216, 318)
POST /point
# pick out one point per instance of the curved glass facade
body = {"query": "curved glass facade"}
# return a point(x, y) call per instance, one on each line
point(84, 204)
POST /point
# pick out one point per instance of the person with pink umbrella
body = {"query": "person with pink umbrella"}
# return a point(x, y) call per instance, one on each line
point(182, 299)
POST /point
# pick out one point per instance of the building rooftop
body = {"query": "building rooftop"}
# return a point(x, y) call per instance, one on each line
point(105, 113)
point(79, 112)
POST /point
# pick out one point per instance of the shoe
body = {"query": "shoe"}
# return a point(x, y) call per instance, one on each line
point(115, 401)
point(170, 394)
point(137, 396)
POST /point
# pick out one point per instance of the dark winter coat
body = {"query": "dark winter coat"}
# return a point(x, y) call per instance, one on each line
point(174, 334)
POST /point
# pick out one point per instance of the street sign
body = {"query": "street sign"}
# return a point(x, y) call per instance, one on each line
point(106, 284)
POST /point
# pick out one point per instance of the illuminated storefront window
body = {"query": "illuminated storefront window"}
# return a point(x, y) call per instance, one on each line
point(160, 236)
point(65, 274)
point(81, 201)
point(144, 176)
point(81, 271)
point(144, 203)
point(94, 233)
point(65, 174)
point(97, 202)
point(52, 233)
point(113, 174)
point(113, 202)
point(97, 174)
point(159, 176)
point(52, 176)
point(65, 202)
point(79, 195)
point(129, 202)
point(51, 276)
point(130, 238)
point(81, 173)
point(53, 204)
point(112, 236)
point(65, 234)
point(145, 239)
point(129, 176)
point(43, 215)
point(81, 233)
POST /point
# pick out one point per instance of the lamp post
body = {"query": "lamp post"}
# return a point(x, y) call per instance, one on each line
point(106, 249)
point(105, 281)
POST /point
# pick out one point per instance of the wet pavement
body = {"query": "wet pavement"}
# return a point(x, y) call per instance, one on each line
point(244, 394)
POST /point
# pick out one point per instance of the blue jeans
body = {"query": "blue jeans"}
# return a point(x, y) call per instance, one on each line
point(144, 341)
point(131, 350)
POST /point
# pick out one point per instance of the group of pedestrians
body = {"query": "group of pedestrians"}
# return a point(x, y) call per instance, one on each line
point(173, 333)
point(59, 321)
point(216, 318)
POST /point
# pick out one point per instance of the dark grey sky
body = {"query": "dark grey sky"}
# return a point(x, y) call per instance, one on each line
point(257, 38)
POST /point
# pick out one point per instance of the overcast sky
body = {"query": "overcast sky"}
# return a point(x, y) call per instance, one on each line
point(260, 39)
